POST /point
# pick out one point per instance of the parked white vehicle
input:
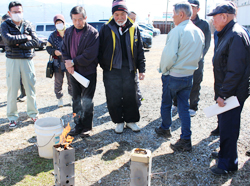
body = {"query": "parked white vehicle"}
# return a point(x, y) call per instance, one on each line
point(46, 28)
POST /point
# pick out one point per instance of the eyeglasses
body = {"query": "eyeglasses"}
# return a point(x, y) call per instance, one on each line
point(16, 12)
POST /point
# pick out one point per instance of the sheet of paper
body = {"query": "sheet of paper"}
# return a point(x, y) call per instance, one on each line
point(231, 102)
point(81, 79)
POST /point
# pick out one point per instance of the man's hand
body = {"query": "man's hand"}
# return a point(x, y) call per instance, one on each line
point(69, 66)
point(220, 102)
point(71, 70)
point(58, 53)
point(68, 63)
point(141, 76)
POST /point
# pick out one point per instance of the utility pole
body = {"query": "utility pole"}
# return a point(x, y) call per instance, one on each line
point(205, 9)
point(166, 18)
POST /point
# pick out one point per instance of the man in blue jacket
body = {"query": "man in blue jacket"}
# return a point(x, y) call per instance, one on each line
point(121, 54)
point(231, 73)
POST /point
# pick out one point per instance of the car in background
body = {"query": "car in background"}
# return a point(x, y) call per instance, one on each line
point(148, 28)
point(157, 30)
point(146, 38)
point(46, 28)
point(42, 41)
point(97, 25)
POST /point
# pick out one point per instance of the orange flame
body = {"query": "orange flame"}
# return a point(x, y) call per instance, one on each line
point(64, 139)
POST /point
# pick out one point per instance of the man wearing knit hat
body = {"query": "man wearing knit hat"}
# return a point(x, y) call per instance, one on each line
point(120, 55)
point(231, 74)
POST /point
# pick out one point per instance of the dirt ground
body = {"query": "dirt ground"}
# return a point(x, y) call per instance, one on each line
point(104, 158)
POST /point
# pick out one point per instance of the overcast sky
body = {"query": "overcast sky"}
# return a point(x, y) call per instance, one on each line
point(44, 10)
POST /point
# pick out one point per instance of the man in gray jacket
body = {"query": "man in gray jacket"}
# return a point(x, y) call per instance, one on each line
point(198, 74)
point(179, 60)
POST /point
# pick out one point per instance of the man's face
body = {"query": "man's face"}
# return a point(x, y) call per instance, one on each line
point(195, 9)
point(176, 18)
point(132, 16)
point(218, 22)
point(78, 21)
point(120, 16)
point(15, 10)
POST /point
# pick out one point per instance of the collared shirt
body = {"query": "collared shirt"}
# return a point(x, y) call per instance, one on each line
point(183, 50)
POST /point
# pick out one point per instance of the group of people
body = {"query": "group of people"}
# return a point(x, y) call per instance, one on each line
point(118, 49)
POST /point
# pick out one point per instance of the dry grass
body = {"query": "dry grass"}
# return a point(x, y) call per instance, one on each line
point(103, 159)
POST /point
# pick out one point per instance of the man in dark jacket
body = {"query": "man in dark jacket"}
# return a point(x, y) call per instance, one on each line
point(120, 56)
point(231, 74)
point(80, 50)
point(20, 40)
point(198, 74)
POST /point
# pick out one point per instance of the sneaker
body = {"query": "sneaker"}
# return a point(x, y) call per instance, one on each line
point(34, 119)
point(182, 145)
point(215, 155)
point(218, 171)
point(192, 112)
point(215, 132)
point(21, 98)
point(174, 108)
point(85, 134)
point(74, 132)
point(60, 102)
point(163, 132)
point(248, 153)
point(119, 128)
point(133, 126)
point(12, 124)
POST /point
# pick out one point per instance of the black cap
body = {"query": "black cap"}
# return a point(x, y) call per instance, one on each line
point(194, 3)
point(226, 7)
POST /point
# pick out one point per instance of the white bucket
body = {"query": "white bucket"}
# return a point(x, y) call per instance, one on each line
point(48, 132)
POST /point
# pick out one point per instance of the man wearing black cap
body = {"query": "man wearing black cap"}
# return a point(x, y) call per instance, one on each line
point(120, 56)
point(198, 74)
point(231, 74)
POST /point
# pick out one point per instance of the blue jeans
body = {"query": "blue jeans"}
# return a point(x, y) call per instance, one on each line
point(181, 88)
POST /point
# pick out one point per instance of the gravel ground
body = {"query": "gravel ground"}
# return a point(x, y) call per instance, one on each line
point(103, 158)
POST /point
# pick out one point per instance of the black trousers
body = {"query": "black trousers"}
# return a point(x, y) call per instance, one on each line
point(22, 88)
point(194, 97)
point(229, 127)
point(83, 105)
point(120, 87)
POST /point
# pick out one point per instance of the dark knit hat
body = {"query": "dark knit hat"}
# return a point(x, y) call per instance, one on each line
point(119, 5)
point(59, 17)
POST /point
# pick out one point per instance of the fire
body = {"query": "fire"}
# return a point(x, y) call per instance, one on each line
point(64, 139)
